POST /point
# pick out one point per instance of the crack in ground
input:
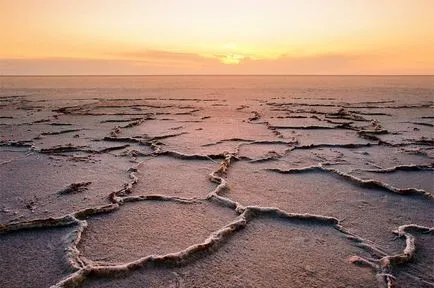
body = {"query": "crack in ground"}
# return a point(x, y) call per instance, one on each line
point(369, 183)
point(84, 268)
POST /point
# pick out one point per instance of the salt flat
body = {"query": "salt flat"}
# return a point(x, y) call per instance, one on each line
point(217, 183)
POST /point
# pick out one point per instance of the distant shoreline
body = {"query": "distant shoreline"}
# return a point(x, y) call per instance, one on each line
point(223, 75)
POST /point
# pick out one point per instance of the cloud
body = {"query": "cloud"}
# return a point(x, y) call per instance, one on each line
point(161, 56)
point(169, 62)
point(82, 66)
point(70, 66)
point(173, 57)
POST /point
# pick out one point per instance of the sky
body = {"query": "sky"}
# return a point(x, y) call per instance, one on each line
point(121, 37)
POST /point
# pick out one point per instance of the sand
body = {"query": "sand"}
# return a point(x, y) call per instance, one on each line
point(215, 191)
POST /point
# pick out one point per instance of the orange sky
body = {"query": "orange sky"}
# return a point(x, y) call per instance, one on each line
point(216, 37)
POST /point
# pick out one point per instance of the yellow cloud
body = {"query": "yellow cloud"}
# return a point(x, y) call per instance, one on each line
point(231, 58)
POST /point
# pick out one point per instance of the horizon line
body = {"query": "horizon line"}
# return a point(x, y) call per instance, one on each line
point(177, 75)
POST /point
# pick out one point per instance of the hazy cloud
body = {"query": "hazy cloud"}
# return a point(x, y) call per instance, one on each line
point(167, 62)
point(161, 56)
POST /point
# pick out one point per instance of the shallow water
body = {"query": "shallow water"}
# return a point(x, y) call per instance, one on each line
point(216, 181)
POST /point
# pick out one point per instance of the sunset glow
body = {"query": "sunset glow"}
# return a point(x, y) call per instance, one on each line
point(217, 37)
